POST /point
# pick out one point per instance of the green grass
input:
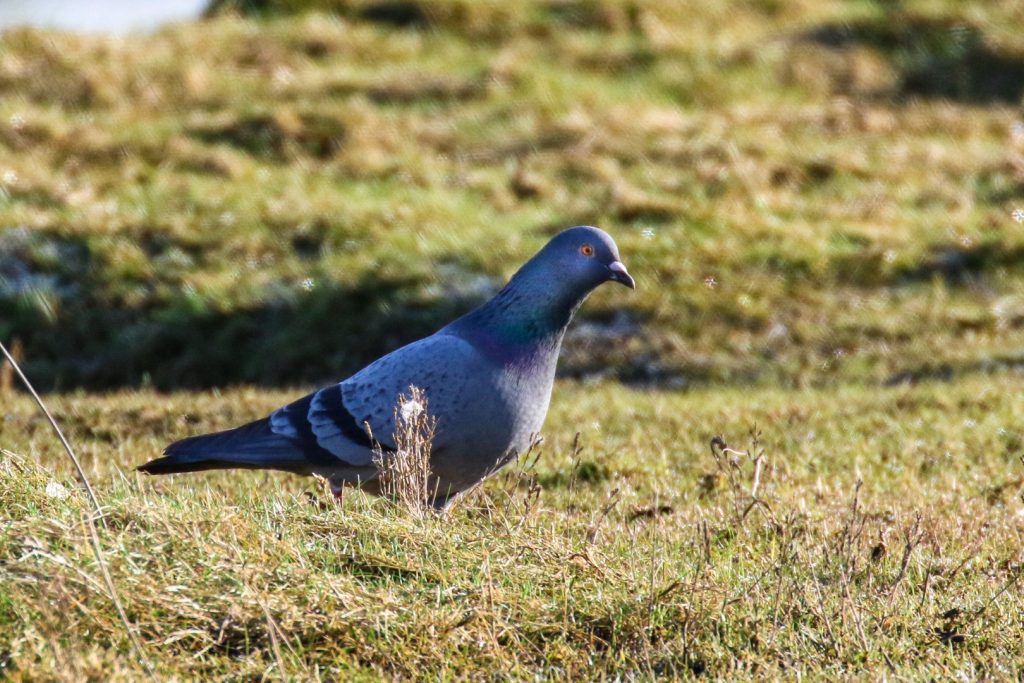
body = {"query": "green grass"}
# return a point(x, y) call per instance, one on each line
point(816, 199)
point(854, 213)
point(630, 557)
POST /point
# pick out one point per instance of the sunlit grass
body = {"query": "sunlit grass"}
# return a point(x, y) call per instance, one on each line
point(824, 240)
point(634, 552)
point(346, 150)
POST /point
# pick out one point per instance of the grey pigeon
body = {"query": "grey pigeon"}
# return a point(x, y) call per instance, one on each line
point(487, 379)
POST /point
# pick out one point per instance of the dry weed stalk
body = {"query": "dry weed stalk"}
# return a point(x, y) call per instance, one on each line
point(512, 509)
point(90, 520)
point(405, 475)
point(731, 465)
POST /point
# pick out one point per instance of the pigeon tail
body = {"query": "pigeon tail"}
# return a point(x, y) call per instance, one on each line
point(251, 446)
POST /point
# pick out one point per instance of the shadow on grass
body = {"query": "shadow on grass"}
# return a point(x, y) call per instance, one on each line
point(933, 57)
point(959, 264)
point(276, 137)
point(77, 334)
point(326, 334)
point(461, 16)
point(948, 371)
point(866, 265)
point(85, 326)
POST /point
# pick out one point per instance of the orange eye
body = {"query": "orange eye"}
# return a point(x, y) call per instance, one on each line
point(587, 250)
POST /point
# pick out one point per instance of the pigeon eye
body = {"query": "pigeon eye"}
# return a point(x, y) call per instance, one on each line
point(587, 250)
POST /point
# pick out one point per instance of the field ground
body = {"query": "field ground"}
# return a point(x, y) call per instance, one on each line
point(633, 555)
point(822, 203)
point(808, 193)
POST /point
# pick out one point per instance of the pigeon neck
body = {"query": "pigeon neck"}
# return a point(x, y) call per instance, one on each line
point(529, 314)
point(534, 313)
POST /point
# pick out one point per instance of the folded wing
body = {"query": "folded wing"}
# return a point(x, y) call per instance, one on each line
point(328, 428)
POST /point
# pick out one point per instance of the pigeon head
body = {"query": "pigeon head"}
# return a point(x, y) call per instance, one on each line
point(541, 298)
point(530, 314)
point(583, 257)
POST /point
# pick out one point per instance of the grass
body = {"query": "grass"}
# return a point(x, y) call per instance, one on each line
point(887, 541)
point(802, 200)
point(817, 200)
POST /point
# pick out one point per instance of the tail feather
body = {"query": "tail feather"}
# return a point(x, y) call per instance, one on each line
point(251, 446)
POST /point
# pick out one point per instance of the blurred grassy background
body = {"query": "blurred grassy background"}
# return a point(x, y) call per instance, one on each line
point(822, 203)
point(808, 192)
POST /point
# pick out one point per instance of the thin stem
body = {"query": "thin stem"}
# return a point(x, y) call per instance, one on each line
point(94, 537)
point(60, 435)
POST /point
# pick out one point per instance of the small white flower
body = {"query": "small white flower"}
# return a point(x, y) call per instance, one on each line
point(710, 282)
point(411, 409)
point(56, 490)
point(1018, 215)
point(648, 233)
point(970, 424)
point(308, 284)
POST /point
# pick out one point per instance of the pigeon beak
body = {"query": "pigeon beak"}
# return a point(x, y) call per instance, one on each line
point(619, 274)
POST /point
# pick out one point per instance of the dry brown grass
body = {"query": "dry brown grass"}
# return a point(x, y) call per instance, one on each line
point(821, 220)
point(405, 475)
point(343, 179)
point(887, 540)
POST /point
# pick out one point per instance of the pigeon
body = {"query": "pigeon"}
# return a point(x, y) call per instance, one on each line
point(487, 379)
